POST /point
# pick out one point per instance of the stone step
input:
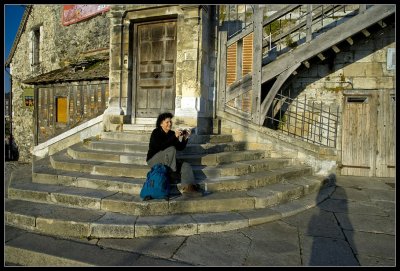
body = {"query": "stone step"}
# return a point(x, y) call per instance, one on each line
point(219, 201)
point(77, 151)
point(27, 248)
point(142, 147)
point(90, 223)
point(276, 172)
point(144, 136)
point(62, 161)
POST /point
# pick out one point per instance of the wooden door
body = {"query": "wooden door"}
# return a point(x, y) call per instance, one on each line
point(155, 68)
point(368, 134)
point(357, 135)
point(386, 135)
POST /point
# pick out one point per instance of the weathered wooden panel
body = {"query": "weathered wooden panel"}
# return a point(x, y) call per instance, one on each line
point(154, 97)
point(357, 136)
point(62, 109)
point(368, 134)
point(247, 66)
point(231, 64)
point(385, 155)
point(155, 84)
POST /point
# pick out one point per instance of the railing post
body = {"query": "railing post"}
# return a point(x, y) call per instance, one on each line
point(309, 23)
point(221, 93)
point(258, 12)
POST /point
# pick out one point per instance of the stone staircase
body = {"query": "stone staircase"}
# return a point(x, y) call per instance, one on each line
point(91, 190)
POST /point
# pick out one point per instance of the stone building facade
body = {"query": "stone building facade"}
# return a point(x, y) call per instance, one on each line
point(59, 46)
point(194, 64)
point(165, 58)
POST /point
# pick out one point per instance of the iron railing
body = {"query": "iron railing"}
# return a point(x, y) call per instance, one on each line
point(305, 119)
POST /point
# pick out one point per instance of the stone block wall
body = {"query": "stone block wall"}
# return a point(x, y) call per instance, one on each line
point(360, 67)
point(60, 45)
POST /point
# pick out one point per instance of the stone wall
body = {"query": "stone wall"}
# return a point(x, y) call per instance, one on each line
point(362, 66)
point(194, 78)
point(60, 46)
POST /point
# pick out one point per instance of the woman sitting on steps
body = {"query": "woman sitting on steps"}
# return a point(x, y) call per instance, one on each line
point(162, 149)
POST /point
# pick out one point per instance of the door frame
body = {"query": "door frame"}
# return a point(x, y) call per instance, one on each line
point(134, 56)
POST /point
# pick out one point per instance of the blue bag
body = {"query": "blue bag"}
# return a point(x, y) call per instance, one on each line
point(157, 184)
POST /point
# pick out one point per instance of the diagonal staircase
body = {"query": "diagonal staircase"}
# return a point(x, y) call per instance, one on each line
point(322, 43)
point(91, 190)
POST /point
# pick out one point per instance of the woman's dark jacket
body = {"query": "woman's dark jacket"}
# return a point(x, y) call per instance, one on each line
point(160, 140)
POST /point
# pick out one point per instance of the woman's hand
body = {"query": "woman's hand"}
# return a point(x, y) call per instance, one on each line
point(178, 133)
point(187, 134)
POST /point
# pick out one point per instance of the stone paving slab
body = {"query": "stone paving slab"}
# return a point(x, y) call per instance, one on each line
point(326, 251)
point(211, 250)
point(273, 244)
point(372, 244)
point(367, 223)
point(159, 246)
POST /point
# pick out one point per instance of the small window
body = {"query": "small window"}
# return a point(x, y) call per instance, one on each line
point(357, 99)
point(36, 46)
point(61, 107)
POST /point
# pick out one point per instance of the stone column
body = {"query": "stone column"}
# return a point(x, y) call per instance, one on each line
point(191, 99)
point(114, 114)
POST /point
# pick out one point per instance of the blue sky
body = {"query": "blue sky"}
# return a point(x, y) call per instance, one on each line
point(12, 19)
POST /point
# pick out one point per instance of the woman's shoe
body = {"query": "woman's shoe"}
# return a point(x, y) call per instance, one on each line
point(191, 188)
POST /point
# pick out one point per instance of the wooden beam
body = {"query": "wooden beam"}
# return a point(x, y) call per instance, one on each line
point(241, 35)
point(239, 87)
point(274, 89)
point(350, 40)
point(257, 62)
point(382, 24)
point(366, 32)
point(280, 13)
point(301, 24)
point(335, 48)
point(307, 64)
point(221, 86)
point(321, 56)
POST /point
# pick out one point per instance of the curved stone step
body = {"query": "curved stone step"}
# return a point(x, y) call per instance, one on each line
point(62, 161)
point(144, 136)
point(253, 198)
point(77, 151)
point(83, 223)
point(142, 147)
point(277, 170)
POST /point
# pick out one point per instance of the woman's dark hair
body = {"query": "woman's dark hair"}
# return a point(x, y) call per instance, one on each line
point(162, 117)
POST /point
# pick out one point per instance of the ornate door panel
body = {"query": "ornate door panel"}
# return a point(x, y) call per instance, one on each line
point(155, 68)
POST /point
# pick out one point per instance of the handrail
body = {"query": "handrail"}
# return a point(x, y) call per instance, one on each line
point(303, 23)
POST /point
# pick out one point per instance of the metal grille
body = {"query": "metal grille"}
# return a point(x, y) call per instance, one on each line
point(310, 121)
